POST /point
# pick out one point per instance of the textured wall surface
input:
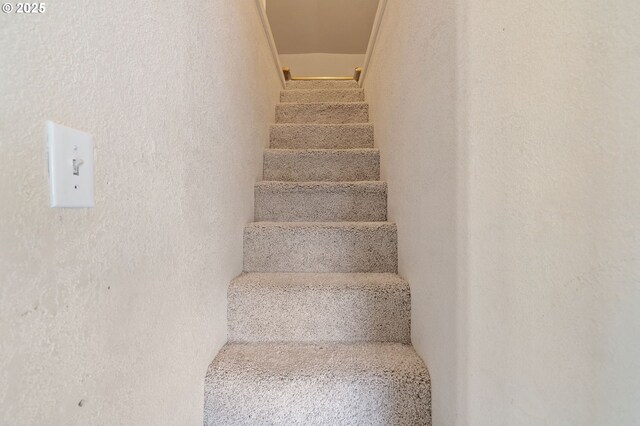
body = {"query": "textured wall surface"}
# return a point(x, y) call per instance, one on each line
point(510, 145)
point(554, 212)
point(123, 306)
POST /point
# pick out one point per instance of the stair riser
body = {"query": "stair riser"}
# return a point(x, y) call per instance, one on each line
point(332, 166)
point(321, 84)
point(321, 204)
point(320, 249)
point(297, 136)
point(323, 113)
point(308, 96)
point(307, 315)
point(278, 401)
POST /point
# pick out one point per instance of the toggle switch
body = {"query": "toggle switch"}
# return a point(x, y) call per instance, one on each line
point(70, 166)
point(76, 166)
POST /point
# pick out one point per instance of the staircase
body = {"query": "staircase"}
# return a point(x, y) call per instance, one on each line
point(319, 322)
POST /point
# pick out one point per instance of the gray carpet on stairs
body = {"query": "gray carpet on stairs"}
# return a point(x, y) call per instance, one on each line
point(317, 384)
point(323, 113)
point(310, 307)
point(321, 136)
point(324, 165)
point(320, 201)
point(322, 95)
point(319, 322)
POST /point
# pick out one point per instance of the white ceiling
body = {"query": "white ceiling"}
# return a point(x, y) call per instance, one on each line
point(321, 26)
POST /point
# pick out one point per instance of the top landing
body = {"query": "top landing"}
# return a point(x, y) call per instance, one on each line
point(322, 84)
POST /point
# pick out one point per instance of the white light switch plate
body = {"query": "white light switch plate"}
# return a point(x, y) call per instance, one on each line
point(70, 166)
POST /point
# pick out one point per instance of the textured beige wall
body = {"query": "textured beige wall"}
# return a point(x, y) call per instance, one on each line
point(321, 26)
point(511, 149)
point(322, 64)
point(124, 305)
point(552, 104)
point(414, 110)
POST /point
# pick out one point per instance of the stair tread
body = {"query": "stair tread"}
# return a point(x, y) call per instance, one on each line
point(363, 185)
point(326, 225)
point(321, 95)
point(325, 125)
point(364, 383)
point(328, 280)
point(324, 90)
point(319, 104)
point(323, 151)
point(361, 361)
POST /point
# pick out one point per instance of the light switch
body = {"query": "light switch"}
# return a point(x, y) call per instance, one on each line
point(70, 166)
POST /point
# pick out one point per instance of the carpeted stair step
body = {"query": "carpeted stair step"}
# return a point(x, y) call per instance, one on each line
point(320, 201)
point(322, 84)
point(320, 247)
point(306, 307)
point(323, 113)
point(321, 136)
point(371, 384)
point(322, 95)
point(321, 165)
